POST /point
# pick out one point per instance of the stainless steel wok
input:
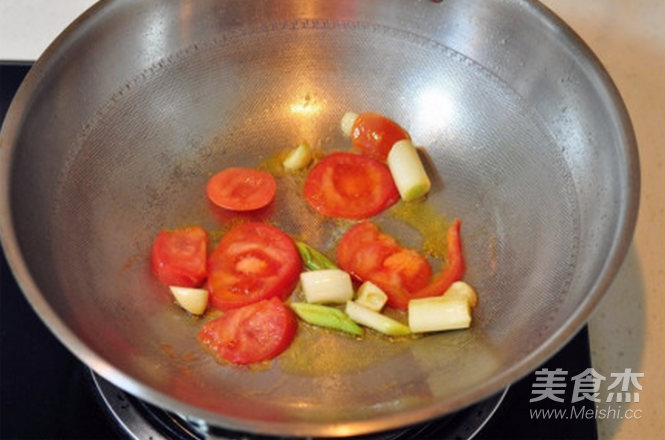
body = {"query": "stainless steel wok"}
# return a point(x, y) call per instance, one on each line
point(117, 127)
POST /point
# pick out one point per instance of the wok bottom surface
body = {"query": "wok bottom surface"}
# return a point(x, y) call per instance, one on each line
point(505, 416)
point(67, 403)
point(141, 163)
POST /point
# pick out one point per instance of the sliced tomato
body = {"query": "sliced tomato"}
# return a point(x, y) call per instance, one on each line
point(253, 261)
point(241, 189)
point(179, 256)
point(370, 255)
point(254, 333)
point(352, 186)
point(375, 134)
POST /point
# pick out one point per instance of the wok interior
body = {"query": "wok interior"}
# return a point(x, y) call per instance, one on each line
point(117, 146)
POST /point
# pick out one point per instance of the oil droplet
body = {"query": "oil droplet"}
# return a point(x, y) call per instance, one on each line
point(430, 223)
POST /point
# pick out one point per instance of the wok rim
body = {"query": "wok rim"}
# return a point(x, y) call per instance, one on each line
point(626, 224)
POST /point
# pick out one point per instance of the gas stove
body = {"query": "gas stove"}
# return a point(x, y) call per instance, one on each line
point(48, 393)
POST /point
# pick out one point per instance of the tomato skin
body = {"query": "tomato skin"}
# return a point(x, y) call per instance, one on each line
point(241, 189)
point(179, 256)
point(253, 333)
point(370, 255)
point(253, 261)
point(351, 186)
point(375, 134)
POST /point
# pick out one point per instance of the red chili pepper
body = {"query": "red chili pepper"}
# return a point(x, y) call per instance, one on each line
point(454, 271)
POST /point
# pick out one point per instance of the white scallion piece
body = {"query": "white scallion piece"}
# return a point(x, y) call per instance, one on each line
point(375, 320)
point(195, 301)
point(438, 314)
point(327, 286)
point(348, 120)
point(371, 296)
point(408, 171)
point(461, 290)
point(298, 158)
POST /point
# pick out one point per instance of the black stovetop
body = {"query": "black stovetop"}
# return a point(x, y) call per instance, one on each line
point(47, 393)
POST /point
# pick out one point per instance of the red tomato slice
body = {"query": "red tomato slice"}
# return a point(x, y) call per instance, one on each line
point(241, 189)
point(254, 333)
point(370, 255)
point(253, 261)
point(179, 256)
point(352, 186)
point(375, 134)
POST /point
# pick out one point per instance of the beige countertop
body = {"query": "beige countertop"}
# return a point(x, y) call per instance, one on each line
point(628, 329)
